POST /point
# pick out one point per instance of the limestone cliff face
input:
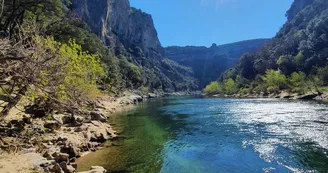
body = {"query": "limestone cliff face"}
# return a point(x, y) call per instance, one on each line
point(115, 22)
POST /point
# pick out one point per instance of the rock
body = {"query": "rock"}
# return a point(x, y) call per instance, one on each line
point(98, 116)
point(55, 168)
point(67, 119)
point(62, 157)
point(53, 125)
point(97, 137)
point(58, 118)
point(136, 99)
point(307, 96)
point(81, 129)
point(27, 120)
point(74, 165)
point(67, 168)
point(71, 151)
point(29, 150)
point(48, 155)
point(285, 95)
point(96, 169)
point(78, 120)
point(42, 163)
point(73, 159)
point(152, 95)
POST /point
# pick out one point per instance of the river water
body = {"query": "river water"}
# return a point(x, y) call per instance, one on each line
point(213, 135)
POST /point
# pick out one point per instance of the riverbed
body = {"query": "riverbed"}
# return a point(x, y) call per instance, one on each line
point(216, 135)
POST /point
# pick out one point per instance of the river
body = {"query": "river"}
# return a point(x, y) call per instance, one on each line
point(213, 135)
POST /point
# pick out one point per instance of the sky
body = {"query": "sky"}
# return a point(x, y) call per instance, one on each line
point(203, 22)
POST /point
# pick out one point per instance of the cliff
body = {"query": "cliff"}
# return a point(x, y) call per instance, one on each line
point(131, 33)
point(115, 22)
point(209, 63)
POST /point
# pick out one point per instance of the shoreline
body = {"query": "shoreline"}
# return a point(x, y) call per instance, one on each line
point(57, 143)
point(283, 95)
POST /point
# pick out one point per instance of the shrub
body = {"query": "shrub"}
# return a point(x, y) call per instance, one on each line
point(213, 88)
point(274, 81)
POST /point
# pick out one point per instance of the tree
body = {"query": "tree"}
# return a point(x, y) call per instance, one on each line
point(213, 88)
point(230, 86)
point(298, 82)
point(46, 72)
point(274, 81)
point(15, 12)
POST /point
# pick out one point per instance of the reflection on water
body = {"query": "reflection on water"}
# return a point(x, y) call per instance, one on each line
point(187, 135)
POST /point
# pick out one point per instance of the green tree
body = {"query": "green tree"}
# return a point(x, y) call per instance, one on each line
point(213, 88)
point(274, 81)
point(298, 82)
point(230, 86)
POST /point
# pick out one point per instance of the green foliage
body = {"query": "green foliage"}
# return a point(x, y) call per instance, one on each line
point(71, 76)
point(274, 81)
point(322, 75)
point(144, 90)
point(213, 88)
point(230, 86)
point(298, 82)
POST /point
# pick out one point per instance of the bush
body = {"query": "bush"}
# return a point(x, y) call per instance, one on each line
point(298, 82)
point(274, 81)
point(213, 88)
point(230, 86)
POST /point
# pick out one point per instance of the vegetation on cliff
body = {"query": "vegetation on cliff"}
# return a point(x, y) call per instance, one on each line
point(300, 47)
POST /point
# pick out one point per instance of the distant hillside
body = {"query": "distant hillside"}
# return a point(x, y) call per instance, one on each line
point(301, 44)
point(209, 63)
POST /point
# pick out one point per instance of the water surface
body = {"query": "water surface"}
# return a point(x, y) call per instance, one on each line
point(211, 135)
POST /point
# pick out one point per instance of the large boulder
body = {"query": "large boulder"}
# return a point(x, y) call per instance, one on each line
point(61, 157)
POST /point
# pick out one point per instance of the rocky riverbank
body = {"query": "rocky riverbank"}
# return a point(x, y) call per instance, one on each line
point(281, 95)
point(52, 143)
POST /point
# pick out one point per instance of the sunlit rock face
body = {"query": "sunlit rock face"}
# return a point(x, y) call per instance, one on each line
point(115, 22)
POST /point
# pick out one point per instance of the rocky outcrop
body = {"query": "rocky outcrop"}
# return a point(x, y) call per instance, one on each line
point(115, 22)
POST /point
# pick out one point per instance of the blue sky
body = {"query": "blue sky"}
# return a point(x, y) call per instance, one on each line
point(203, 22)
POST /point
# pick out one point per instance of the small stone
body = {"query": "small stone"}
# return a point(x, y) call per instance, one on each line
point(74, 165)
point(27, 120)
point(80, 128)
point(73, 159)
point(54, 125)
point(98, 116)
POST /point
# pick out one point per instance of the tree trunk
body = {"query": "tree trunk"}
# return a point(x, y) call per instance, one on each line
point(13, 102)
